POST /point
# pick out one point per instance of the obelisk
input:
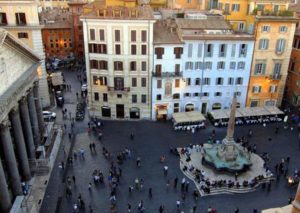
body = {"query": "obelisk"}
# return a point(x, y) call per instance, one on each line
point(296, 202)
point(231, 123)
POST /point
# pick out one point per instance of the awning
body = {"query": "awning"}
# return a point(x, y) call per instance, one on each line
point(162, 111)
point(183, 117)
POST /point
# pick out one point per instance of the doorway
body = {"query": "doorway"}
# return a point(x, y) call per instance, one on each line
point(203, 108)
point(120, 110)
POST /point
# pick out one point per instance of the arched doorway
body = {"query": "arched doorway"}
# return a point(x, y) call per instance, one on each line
point(216, 106)
point(189, 107)
point(134, 113)
point(106, 111)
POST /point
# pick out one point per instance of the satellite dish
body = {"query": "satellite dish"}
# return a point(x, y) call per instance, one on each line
point(142, 2)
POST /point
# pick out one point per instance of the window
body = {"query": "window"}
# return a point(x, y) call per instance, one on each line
point(206, 81)
point(232, 65)
point(133, 82)
point(176, 107)
point(277, 70)
point(273, 89)
point(143, 82)
point(256, 89)
point(283, 29)
point(133, 35)
point(118, 66)
point(117, 35)
point(221, 65)
point(187, 94)
point(197, 81)
point(292, 68)
point(176, 96)
point(119, 96)
point(188, 81)
point(95, 80)
point(20, 19)
point(97, 48)
point(3, 19)
point(219, 81)
point(196, 94)
point(96, 96)
point(254, 103)
point(218, 94)
point(118, 49)
point(241, 65)
point(105, 99)
point(178, 51)
point(230, 81)
point(22, 35)
point(134, 99)
point(199, 53)
point(237, 94)
point(158, 97)
point(263, 44)
point(241, 26)
point(205, 94)
point(133, 49)
point(190, 50)
point(276, 8)
point(102, 81)
point(235, 7)
point(144, 99)
point(177, 83)
point(103, 65)
point(198, 65)
point(208, 65)
point(265, 29)
point(159, 51)
point(92, 34)
point(94, 64)
point(243, 50)
point(222, 50)
point(208, 50)
point(158, 69)
point(188, 65)
point(280, 46)
point(144, 35)
point(102, 35)
point(233, 48)
point(260, 69)
point(132, 66)
point(144, 49)
point(239, 81)
point(144, 66)
point(119, 83)
point(177, 68)
point(168, 88)
point(158, 84)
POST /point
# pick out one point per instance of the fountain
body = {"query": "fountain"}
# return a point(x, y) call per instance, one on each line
point(228, 156)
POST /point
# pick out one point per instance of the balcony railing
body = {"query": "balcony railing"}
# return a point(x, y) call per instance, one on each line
point(275, 77)
point(116, 89)
point(167, 74)
point(281, 13)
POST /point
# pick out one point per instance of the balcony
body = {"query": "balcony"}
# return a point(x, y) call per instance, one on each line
point(281, 13)
point(116, 89)
point(167, 74)
point(275, 77)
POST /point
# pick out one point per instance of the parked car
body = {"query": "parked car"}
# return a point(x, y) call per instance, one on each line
point(59, 98)
point(48, 115)
point(84, 87)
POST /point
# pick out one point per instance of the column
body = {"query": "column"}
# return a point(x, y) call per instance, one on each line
point(33, 119)
point(5, 203)
point(10, 158)
point(20, 143)
point(38, 108)
point(27, 128)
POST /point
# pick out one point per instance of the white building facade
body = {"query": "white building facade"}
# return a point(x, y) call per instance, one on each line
point(119, 54)
point(215, 64)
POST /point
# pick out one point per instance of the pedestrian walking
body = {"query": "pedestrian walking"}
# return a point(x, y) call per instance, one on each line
point(166, 170)
point(161, 209)
point(168, 184)
point(141, 207)
point(178, 204)
point(138, 162)
point(128, 207)
point(236, 210)
point(90, 186)
point(150, 192)
point(74, 179)
point(175, 182)
point(187, 186)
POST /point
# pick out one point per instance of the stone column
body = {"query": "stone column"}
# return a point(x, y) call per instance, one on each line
point(10, 158)
point(38, 108)
point(20, 143)
point(5, 203)
point(27, 128)
point(33, 119)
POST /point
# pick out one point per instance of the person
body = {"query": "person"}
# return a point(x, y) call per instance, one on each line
point(141, 207)
point(209, 209)
point(131, 136)
point(150, 193)
point(129, 207)
point(138, 162)
point(166, 170)
point(90, 186)
point(161, 208)
point(236, 210)
point(175, 182)
point(178, 204)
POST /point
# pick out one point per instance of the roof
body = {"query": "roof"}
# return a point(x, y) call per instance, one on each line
point(143, 12)
point(164, 35)
point(58, 25)
point(6, 36)
point(211, 23)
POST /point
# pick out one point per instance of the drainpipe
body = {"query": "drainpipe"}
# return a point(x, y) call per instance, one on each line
point(149, 72)
point(202, 73)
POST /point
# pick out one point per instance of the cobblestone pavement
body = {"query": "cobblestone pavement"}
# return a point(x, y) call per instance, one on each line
point(153, 139)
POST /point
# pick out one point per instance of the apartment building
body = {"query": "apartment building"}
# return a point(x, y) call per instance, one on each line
point(119, 52)
point(200, 65)
point(20, 18)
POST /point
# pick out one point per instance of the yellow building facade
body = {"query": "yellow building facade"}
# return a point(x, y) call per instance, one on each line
point(188, 4)
point(53, 4)
point(273, 46)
